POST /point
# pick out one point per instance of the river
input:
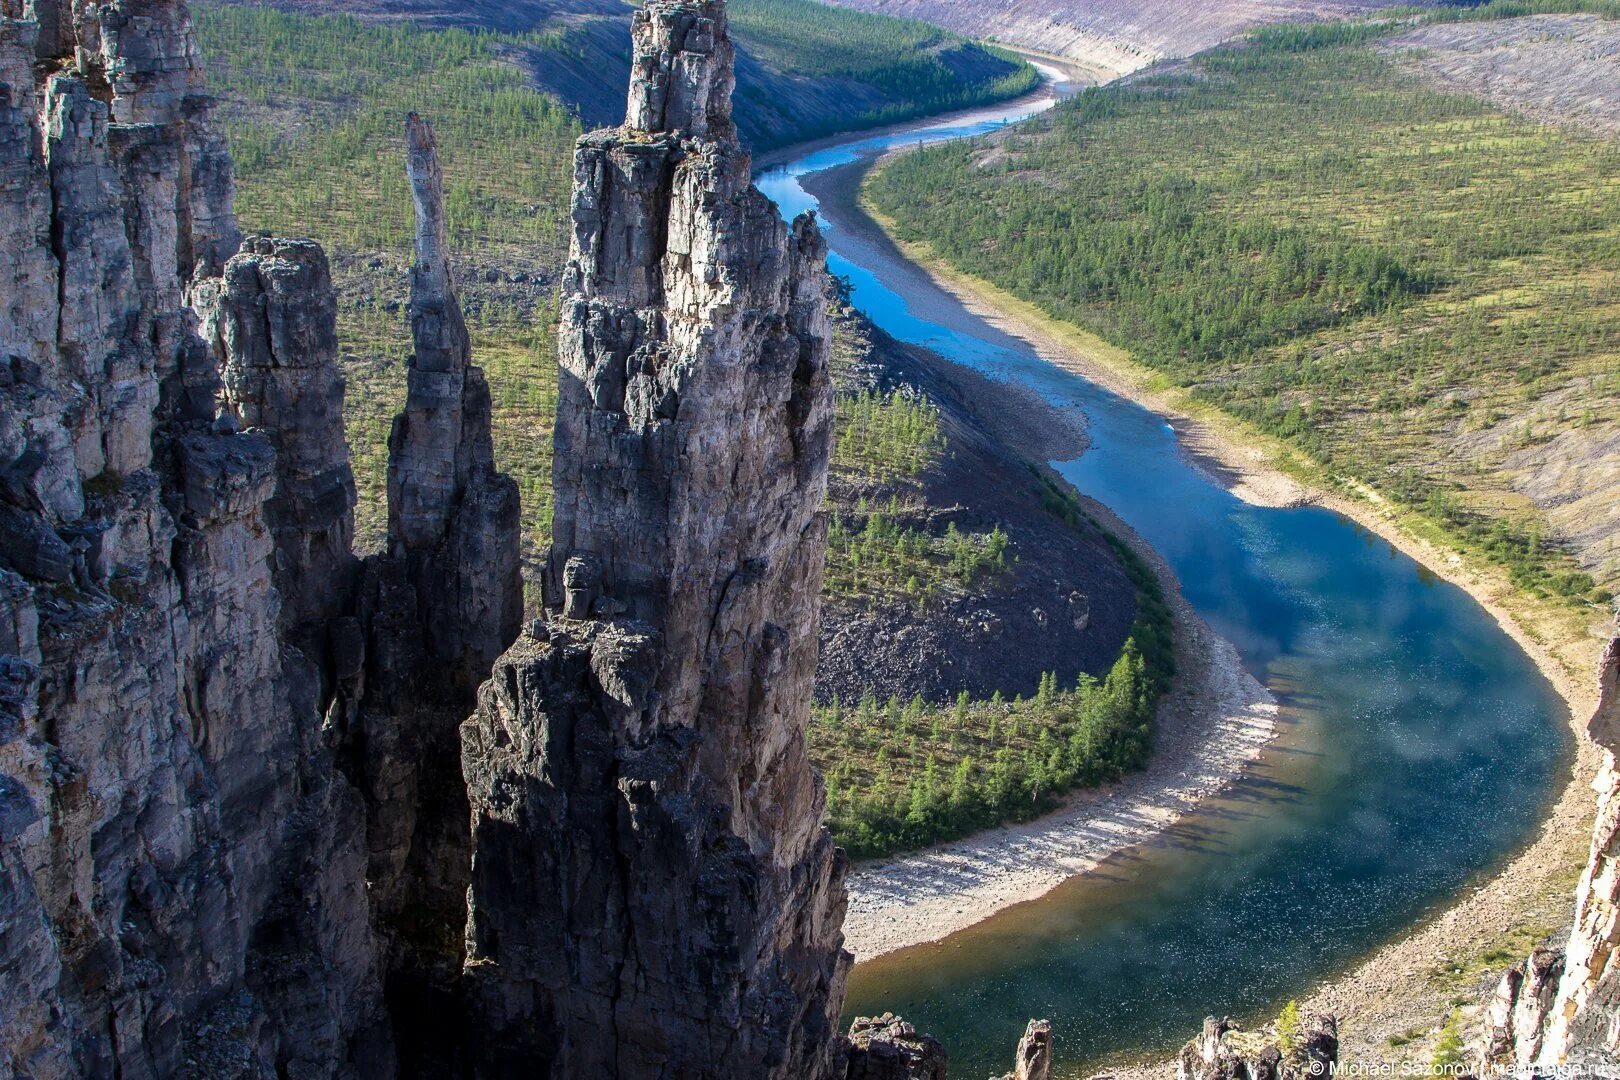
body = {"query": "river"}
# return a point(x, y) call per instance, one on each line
point(1421, 746)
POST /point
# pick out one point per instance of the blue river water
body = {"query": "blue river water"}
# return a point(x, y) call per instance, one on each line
point(1420, 748)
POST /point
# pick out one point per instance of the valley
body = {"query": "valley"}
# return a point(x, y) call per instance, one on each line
point(913, 613)
point(1311, 603)
point(580, 538)
point(1388, 338)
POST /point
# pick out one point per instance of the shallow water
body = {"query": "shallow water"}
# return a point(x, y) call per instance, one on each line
point(1421, 745)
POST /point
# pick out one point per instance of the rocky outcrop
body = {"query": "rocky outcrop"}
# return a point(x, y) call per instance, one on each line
point(430, 615)
point(887, 1048)
point(452, 517)
point(1516, 1017)
point(644, 815)
point(1226, 1052)
point(272, 318)
point(1033, 1059)
point(1562, 1007)
point(183, 890)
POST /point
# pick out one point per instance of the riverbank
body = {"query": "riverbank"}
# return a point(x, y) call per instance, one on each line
point(1393, 1001)
point(1215, 721)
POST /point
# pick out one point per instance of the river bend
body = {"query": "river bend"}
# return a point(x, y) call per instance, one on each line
point(1421, 746)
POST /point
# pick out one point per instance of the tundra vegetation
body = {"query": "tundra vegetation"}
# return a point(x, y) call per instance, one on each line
point(902, 775)
point(1404, 285)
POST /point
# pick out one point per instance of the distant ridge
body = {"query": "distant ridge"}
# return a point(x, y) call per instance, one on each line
point(1119, 36)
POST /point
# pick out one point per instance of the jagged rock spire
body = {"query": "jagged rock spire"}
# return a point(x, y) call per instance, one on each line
point(437, 325)
point(432, 449)
point(451, 516)
point(1033, 1059)
point(682, 70)
point(643, 807)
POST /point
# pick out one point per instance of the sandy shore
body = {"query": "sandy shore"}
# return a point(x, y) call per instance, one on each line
point(1215, 720)
point(1404, 991)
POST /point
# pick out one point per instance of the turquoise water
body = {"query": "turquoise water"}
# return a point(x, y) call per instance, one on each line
point(1421, 745)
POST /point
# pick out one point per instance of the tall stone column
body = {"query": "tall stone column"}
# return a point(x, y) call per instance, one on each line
point(654, 893)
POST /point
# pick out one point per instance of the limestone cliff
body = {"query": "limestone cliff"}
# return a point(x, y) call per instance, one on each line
point(1561, 1007)
point(644, 815)
point(230, 809)
point(182, 888)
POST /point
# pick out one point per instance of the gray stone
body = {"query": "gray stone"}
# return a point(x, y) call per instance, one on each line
point(887, 1048)
point(273, 325)
point(653, 890)
point(1562, 1006)
point(181, 873)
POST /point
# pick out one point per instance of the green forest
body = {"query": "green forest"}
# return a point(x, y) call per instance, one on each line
point(1306, 235)
point(906, 775)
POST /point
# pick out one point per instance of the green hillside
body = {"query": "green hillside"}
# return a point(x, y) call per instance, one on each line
point(1405, 285)
point(314, 106)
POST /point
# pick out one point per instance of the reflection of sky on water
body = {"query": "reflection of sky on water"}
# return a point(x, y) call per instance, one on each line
point(1422, 743)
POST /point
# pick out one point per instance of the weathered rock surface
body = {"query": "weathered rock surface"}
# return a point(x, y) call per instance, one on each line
point(1562, 1007)
point(644, 815)
point(273, 322)
point(183, 889)
point(887, 1048)
point(1033, 1060)
point(451, 516)
point(1226, 1052)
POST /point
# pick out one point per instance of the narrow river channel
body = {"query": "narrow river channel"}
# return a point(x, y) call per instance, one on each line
point(1420, 746)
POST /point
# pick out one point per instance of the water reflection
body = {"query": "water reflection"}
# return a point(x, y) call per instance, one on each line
point(1419, 744)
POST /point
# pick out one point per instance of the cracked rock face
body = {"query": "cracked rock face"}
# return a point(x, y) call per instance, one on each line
point(273, 320)
point(887, 1048)
point(644, 814)
point(1562, 1006)
point(165, 790)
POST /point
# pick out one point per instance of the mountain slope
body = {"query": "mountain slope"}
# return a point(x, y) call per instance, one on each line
point(1117, 36)
point(1412, 289)
point(803, 69)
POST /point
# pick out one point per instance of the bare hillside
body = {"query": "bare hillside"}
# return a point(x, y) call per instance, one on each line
point(1119, 36)
point(1563, 69)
